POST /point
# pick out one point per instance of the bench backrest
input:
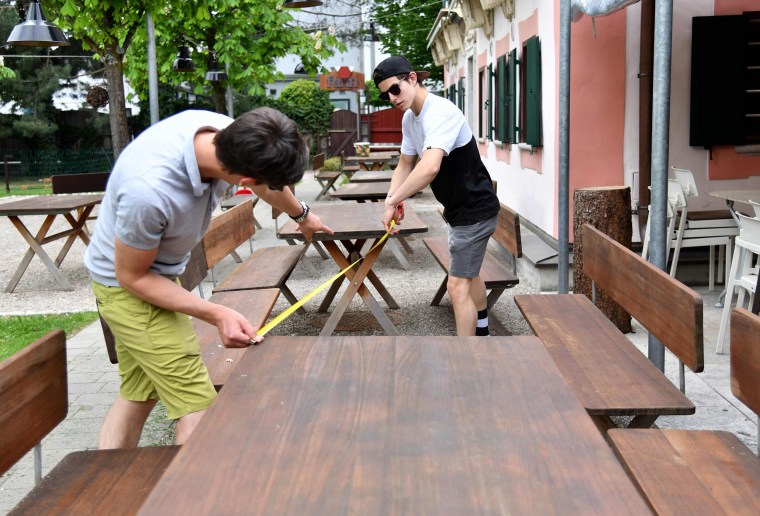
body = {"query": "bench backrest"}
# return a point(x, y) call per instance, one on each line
point(667, 308)
point(318, 161)
point(745, 357)
point(78, 183)
point(508, 231)
point(33, 396)
point(227, 231)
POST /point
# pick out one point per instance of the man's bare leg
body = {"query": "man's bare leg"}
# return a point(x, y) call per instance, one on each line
point(465, 311)
point(186, 425)
point(123, 424)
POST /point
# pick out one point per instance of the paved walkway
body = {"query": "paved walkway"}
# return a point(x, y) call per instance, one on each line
point(93, 380)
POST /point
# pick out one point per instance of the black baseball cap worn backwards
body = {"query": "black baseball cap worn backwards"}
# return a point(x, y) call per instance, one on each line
point(393, 66)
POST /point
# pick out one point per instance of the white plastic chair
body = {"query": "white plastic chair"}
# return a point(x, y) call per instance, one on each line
point(699, 231)
point(742, 276)
point(755, 206)
point(676, 201)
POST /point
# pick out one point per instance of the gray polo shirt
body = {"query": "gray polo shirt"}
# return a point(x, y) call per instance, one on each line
point(155, 197)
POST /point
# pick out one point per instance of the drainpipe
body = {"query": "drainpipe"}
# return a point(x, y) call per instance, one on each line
point(563, 198)
point(663, 25)
point(646, 51)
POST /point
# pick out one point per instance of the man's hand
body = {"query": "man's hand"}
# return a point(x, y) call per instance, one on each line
point(311, 225)
point(393, 212)
point(235, 330)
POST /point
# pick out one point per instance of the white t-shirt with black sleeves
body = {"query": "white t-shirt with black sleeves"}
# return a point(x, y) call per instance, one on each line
point(463, 184)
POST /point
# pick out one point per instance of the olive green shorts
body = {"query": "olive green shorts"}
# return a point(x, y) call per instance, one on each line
point(159, 355)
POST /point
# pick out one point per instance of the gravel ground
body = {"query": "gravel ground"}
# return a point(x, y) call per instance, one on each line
point(413, 289)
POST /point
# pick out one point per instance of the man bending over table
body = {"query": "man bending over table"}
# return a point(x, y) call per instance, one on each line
point(157, 206)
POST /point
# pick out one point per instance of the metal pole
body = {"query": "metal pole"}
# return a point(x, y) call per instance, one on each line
point(663, 28)
point(6, 159)
point(230, 100)
point(563, 196)
point(152, 70)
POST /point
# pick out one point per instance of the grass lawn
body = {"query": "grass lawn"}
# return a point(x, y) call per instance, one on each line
point(21, 330)
point(26, 188)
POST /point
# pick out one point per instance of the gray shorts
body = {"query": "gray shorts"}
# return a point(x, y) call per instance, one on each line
point(467, 245)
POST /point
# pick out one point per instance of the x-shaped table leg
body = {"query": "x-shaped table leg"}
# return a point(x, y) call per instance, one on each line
point(356, 285)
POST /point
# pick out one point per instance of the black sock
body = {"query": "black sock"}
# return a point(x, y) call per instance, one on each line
point(481, 330)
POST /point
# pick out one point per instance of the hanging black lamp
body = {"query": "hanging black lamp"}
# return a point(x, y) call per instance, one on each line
point(298, 4)
point(214, 74)
point(183, 63)
point(36, 31)
point(372, 36)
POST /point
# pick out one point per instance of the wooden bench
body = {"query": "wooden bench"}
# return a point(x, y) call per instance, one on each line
point(610, 376)
point(240, 197)
point(266, 267)
point(33, 401)
point(325, 178)
point(699, 471)
point(80, 183)
point(495, 274)
point(349, 170)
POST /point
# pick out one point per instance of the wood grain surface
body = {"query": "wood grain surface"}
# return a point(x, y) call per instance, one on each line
point(396, 425)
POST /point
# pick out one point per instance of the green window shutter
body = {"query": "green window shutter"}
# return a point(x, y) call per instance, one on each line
point(460, 99)
point(501, 106)
point(512, 98)
point(533, 95)
point(489, 121)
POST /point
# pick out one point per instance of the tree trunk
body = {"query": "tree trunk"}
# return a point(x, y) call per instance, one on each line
point(608, 209)
point(220, 99)
point(117, 107)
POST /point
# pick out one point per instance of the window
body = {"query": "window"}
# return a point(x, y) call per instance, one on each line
point(452, 93)
point(489, 78)
point(512, 128)
point(501, 99)
point(460, 97)
point(482, 92)
point(530, 93)
point(725, 80)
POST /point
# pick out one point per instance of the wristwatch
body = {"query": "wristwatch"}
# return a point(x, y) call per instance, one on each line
point(305, 213)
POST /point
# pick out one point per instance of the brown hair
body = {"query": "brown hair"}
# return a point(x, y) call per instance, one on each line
point(263, 144)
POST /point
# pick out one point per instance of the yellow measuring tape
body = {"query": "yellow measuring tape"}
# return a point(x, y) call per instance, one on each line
point(287, 313)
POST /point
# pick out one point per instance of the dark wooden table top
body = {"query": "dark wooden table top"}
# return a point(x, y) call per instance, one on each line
point(49, 204)
point(350, 220)
point(368, 176)
point(374, 156)
point(396, 425)
point(373, 191)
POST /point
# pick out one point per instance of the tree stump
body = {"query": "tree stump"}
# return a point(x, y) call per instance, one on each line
point(608, 209)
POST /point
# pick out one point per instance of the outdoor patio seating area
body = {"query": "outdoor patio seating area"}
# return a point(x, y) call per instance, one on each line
point(93, 381)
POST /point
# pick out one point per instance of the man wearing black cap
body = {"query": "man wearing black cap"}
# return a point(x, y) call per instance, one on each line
point(436, 131)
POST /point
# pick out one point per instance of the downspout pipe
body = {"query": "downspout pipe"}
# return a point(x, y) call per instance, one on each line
point(563, 186)
point(663, 32)
point(646, 50)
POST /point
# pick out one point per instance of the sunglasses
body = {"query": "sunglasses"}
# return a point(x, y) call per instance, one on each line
point(395, 90)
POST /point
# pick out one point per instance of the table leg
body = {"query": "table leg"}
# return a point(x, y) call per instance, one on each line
point(354, 252)
point(356, 285)
point(77, 230)
point(35, 248)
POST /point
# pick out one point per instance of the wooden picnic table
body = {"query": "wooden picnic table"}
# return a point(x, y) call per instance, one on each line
point(74, 208)
point(395, 425)
point(374, 192)
point(371, 176)
point(353, 225)
point(363, 192)
point(375, 160)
